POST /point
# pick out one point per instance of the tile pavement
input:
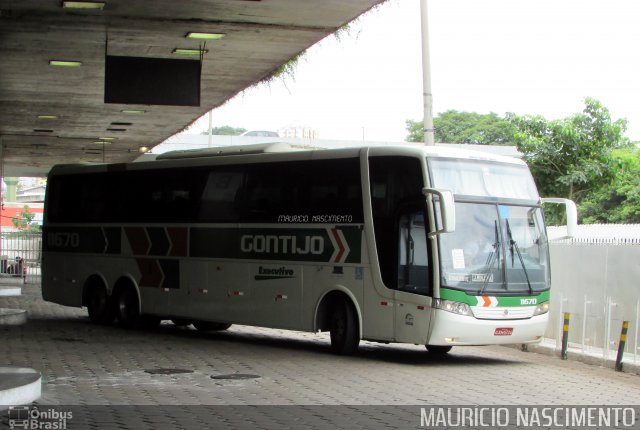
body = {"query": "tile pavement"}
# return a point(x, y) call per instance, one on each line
point(100, 372)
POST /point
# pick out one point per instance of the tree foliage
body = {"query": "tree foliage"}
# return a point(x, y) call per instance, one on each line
point(226, 130)
point(584, 157)
point(619, 200)
point(24, 222)
point(454, 126)
point(572, 156)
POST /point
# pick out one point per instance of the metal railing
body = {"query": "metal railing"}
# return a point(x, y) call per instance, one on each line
point(20, 256)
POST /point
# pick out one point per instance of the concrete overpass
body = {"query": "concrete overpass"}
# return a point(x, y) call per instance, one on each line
point(73, 112)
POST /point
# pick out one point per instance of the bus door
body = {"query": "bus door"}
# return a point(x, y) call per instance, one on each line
point(413, 293)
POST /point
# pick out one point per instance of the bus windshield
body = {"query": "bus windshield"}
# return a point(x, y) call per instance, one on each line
point(499, 244)
point(483, 179)
point(495, 249)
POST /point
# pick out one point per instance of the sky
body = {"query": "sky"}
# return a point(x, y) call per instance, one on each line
point(539, 57)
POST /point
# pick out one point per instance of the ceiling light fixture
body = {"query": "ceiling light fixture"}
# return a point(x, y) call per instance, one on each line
point(143, 149)
point(133, 111)
point(182, 51)
point(83, 5)
point(47, 116)
point(204, 36)
point(102, 142)
point(62, 63)
point(107, 138)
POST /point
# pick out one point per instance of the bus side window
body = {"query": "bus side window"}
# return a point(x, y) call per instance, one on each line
point(218, 202)
point(394, 181)
point(413, 265)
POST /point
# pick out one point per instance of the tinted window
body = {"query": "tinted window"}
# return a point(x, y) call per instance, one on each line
point(320, 190)
point(220, 199)
point(395, 183)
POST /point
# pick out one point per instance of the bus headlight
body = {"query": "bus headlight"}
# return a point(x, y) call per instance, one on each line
point(451, 306)
point(542, 308)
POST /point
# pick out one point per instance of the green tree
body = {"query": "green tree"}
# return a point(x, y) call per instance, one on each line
point(619, 200)
point(454, 126)
point(226, 130)
point(571, 157)
point(24, 222)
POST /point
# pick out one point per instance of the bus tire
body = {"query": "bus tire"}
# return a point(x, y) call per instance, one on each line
point(210, 326)
point(343, 327)
point(99, 305)
point(438, 349)
point(128, 308)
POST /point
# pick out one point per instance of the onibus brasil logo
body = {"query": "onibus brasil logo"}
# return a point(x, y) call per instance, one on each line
point(32, 417)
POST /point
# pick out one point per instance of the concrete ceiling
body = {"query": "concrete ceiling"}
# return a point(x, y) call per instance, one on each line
point(260, 36)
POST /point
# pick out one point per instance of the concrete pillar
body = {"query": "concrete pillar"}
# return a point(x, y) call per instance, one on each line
point(12, 189)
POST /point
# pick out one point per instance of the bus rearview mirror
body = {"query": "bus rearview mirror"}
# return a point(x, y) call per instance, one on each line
point(570, 210)
point(447, 209)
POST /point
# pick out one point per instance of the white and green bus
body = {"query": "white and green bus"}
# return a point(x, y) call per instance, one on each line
point(421, 245)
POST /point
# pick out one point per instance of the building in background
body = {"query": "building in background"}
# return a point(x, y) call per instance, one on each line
point(297, 131)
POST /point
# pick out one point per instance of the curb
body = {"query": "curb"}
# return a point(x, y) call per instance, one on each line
point(19, 386)
point(10, 291)
point(12, 316)
point(577, 355)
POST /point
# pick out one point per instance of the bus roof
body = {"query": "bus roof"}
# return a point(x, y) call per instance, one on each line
point(283, 152)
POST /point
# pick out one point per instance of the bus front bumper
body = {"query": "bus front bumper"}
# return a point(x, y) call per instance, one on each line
point(448, 328)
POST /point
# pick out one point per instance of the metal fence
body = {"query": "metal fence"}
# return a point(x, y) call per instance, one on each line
point(596, 278)
point(20, 257)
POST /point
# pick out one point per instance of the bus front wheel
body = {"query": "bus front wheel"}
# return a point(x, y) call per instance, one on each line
point(100, 308)
point(344, 328)
point(438, 349)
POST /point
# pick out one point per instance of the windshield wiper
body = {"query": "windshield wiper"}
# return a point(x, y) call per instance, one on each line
point(512, 245)
point(491, 259)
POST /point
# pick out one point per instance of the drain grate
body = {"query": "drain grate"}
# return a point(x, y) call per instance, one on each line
point(167, 371)
point(236, 376)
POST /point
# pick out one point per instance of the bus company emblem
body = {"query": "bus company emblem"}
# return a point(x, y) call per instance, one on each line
point(267, 273)
point(292, 244)
point(487, 301)
point(272, 244)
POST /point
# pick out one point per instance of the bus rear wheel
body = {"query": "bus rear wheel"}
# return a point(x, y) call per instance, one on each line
point(128, 308)
point(438, 349)
point(343, 327)
point(210, 326)
point(100, 307)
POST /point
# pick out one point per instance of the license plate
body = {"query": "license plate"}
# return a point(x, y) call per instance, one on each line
point(503, 331)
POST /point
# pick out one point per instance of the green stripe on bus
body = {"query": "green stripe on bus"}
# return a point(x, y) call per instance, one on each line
point(510, 301)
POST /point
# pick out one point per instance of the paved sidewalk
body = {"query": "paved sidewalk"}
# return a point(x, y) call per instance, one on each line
point(87, 365)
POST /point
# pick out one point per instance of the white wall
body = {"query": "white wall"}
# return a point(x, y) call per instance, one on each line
point(595, 273)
